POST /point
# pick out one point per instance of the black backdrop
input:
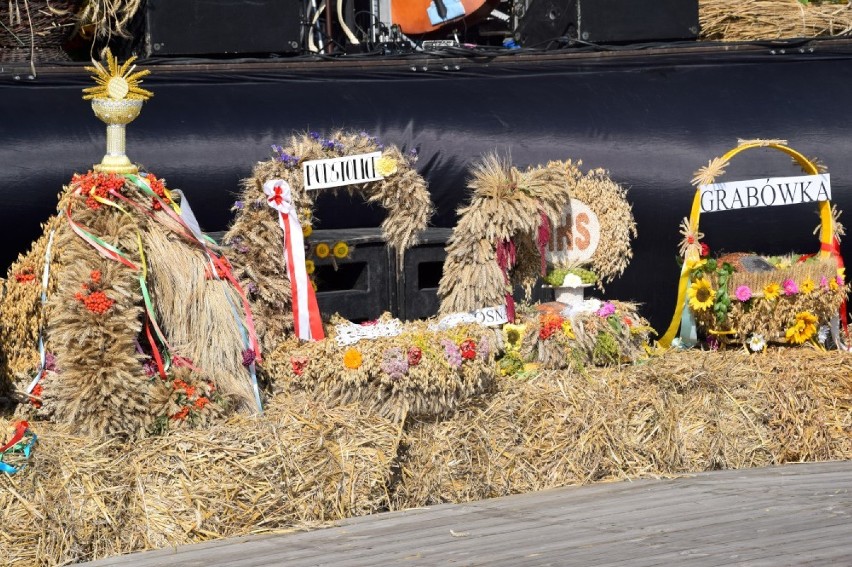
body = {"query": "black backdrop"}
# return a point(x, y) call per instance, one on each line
point(651, 117)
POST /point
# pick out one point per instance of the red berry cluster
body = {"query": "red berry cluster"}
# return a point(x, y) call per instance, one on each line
point(414, 356)
point(195, 399)
point(25, 276)
point(94, 184)
point(158, 187)
point(95, 301)
point(35, 398)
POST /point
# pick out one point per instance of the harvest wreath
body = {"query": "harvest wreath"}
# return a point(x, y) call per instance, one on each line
point(278, 200)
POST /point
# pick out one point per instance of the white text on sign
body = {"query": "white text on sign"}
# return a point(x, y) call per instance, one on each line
point(337, 172)
point(767, 192)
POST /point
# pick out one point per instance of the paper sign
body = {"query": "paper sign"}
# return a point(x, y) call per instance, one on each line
point(487, 317)
point(350, 333)
point(337, 172)
point(767, 192)
point(576, 237)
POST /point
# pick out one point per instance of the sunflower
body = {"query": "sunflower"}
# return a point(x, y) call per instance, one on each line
point(310, 267)
point(322, 250)
point(807, 286)
point(700, 295)
point(116, 82)
point(513, 335)
point(771, 291)
point(341, 250)
point(307, 230)
point(352, 359)
point(803, 329)
point(567, 330)
point(693, 264)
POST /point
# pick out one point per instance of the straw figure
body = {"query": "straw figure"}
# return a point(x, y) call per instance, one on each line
point(501, 235)
point(256, 236)
point(122, 318)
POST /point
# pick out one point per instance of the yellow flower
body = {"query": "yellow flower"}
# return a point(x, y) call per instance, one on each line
point(513, 336)
point(567, 330)
point(771, 291)
point(386, 166)
point(841, 273)
point(322, 250)
point(307, 230)
point(341, 250)
point(310, 267)
point(695, 264)
point(700, 295)
point(833, 285)
point(807, 286)
point(803, 329)
point(352, 359)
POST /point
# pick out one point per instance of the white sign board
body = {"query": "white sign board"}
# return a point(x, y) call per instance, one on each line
point(576, 237)
point(337, 172)
point(487, 317)
point(767, 192)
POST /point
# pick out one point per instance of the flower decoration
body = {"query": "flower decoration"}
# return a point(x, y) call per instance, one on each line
point(695, 264)
point(452, 353)
point(249, 356)
point(468, 349)
point(386, 166)
point(35, 395)
point(823, 282)
point(567, 330)
point(606, 310)
point(394, 363)
point(807, 286)
point(550, 323)
point(756, 343)
point(116, 81)
point(513, 336)
point(705, 250)
point(158, 186)
point(802, 329)
point(307, 230)
point(310, 267)
point(771, 291)
point(322, 250)
point(822, 334)
point(690, 246)
point(790, 287)
point(712, 343)
point(298, 364)
point(341, 250)
point(834, 283)
point(708, 174)
point(700, 295)
point(743, 293)
point(414, 356)
point(26, 275)
point(352, 359)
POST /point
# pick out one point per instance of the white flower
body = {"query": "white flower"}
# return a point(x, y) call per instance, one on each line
point(677, 343)
point(756, 343)
point(822, 335)
point(572, 280)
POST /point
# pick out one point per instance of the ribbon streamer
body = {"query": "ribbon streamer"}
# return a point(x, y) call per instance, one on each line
point(306, 315)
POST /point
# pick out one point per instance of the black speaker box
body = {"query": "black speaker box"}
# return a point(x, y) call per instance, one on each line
point(607, 21)
point(222, 27)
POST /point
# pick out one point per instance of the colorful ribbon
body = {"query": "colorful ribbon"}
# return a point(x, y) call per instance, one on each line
point(17, 444)
point(306, 316)
point(45, 279)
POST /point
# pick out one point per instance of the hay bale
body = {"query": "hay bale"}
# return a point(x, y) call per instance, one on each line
point(683, 412)
point(300, 464)
point(772, 19)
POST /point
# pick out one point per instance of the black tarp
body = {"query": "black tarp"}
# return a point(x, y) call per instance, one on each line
point(651, 117)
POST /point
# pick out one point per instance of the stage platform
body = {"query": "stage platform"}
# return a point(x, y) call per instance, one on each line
point(796, 514)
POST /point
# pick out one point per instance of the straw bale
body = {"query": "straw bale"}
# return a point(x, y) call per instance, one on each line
point(385, 379)
point(683, 412)
point(300, 464)
point(772, 19)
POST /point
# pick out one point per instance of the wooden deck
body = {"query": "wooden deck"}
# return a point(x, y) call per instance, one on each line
point(788, 515)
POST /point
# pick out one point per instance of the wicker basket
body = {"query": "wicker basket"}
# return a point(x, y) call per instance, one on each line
point(35, 28)
point(784, 303)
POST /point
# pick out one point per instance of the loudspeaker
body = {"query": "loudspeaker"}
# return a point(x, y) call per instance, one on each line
point(219, 27)
point(607, 21)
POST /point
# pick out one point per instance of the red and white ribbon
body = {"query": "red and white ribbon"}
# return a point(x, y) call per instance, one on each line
point(305, 310)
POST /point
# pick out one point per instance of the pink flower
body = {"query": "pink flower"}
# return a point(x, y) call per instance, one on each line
point(839, 280)
point(823, 282)
point(790, 287)
point(606, 310)
point(743, 293)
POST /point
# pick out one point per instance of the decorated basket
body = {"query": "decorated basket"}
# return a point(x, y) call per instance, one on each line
point(751, 298)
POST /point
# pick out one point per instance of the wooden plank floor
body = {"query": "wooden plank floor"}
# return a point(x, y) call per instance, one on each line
point(788, 515)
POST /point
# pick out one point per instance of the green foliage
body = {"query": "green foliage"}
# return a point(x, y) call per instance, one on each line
point(557, 275)
point(606, 351)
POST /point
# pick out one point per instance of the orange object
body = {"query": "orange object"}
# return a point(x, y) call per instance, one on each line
point(411, 16)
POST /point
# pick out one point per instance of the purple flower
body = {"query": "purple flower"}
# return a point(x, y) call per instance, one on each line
point(50, 362)
point(238, 205)
point(743, 293)
point(606, 310)
point(150, 368)
point(395, 363)
point(484, 348)
point(452, 353)
point(790, 287)
point(412, 152)
point(251, 287)
point(823, 282)
point(364, 134)
point(249, 356)
point(314, 135)
point(327, 144)
point(712, 343)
